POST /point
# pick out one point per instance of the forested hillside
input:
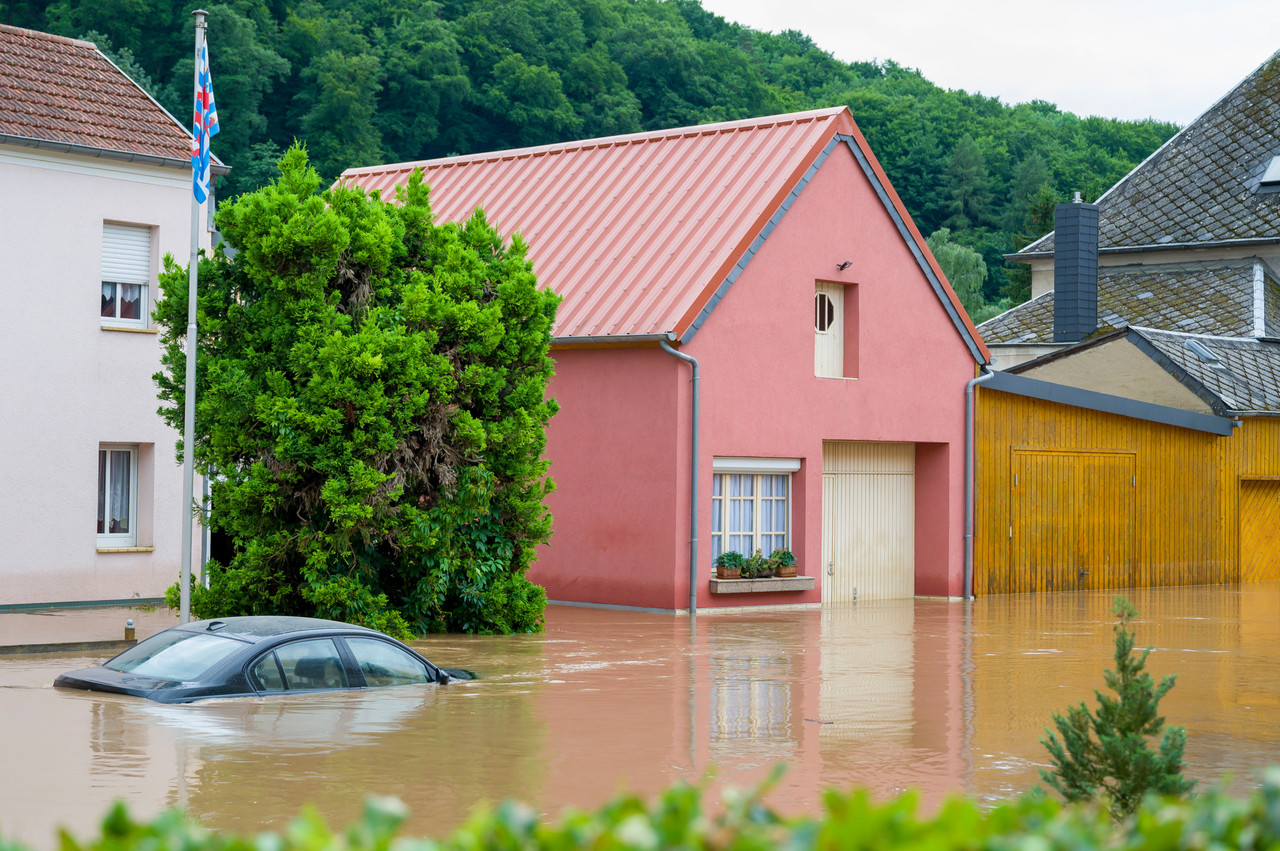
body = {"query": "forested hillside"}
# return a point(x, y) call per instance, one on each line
point(367, 81)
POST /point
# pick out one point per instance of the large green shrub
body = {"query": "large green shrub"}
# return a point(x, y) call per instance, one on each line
point(372, 399)
point(1106, 753)
point(680, 819)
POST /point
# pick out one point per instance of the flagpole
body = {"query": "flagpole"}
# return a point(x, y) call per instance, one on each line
point(189, 419)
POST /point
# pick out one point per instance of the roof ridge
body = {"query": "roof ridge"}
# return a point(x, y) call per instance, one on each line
point(78, 42)
point(759, 122)
point(1145, 329)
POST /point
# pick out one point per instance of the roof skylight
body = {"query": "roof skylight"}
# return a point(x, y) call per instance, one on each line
point(1270, 181)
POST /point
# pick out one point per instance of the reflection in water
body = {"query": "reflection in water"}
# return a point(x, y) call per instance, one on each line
point(930, 694)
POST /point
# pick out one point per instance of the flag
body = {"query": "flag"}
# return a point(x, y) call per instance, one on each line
point(205, 127)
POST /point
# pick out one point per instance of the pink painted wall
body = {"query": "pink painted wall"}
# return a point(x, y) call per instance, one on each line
point(620, 445)
point(617, 506)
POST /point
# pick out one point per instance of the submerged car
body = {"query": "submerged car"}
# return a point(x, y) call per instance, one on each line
point(256, 656)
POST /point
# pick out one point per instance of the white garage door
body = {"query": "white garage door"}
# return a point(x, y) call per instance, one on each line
point(868, 521)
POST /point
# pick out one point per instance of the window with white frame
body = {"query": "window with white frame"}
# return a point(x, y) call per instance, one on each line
point(126, 274)
point(751, 504)
point(117, 495)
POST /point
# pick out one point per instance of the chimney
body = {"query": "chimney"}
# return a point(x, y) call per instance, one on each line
point(1075, 271)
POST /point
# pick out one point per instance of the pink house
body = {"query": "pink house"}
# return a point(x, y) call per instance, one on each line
point(755, 350)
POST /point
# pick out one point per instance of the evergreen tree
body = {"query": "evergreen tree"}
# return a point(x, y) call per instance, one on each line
point(372, 394)
point(1106, 754)
point(968, 186)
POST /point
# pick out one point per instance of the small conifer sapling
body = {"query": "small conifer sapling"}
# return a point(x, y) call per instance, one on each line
point(1107, 753)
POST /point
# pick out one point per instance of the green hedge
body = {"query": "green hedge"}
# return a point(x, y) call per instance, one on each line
point(678, 820)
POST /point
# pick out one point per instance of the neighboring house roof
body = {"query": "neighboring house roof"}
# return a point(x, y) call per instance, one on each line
point(1232, 374)
point(1216, 297)
point(643, 234)
point(1198, 189)
point(65, 94)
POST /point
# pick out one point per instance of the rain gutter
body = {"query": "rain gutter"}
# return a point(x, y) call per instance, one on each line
point(1245, 242)
point(611, 339)
point(107, 153)
point(986, 375)
point(693, 477)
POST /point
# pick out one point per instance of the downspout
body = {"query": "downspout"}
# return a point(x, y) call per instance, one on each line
point(968, 479)
point(693, 481)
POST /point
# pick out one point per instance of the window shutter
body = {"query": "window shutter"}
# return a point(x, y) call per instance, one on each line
point(126, 254)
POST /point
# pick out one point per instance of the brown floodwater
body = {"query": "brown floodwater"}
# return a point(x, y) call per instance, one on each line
point(938, 696)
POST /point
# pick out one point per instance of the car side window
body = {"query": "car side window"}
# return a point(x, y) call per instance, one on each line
point(265, 674)
point(312, 664)
point(385, 664)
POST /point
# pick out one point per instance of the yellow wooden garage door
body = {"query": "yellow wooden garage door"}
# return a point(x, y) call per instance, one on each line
point(1073, 521)
point(1259, 530)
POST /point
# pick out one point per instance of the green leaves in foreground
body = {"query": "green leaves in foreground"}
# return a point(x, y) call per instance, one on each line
point(681, 818)
point(1106, 753)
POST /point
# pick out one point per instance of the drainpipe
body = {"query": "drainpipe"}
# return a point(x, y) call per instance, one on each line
point(968, 479)
point(693, 480)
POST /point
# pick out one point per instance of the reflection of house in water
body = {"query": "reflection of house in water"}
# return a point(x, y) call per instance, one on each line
point(752, 675)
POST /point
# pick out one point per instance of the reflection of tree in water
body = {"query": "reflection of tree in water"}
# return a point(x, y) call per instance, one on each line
point(753, 675)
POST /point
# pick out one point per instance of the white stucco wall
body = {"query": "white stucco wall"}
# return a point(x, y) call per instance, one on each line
point(70, 385)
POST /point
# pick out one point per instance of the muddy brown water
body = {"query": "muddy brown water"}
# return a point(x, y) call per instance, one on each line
point(938, 696)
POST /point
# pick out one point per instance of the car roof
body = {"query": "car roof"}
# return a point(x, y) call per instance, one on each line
point(257, 628)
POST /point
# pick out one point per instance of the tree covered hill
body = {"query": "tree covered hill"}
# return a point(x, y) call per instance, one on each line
point(368, 81)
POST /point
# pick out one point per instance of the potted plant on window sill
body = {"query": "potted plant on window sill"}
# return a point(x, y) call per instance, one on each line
point(756, 566)
point(784, 563)
point(729, 565)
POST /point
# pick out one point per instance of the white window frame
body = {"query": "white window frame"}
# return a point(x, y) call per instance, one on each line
point(126, 261)
point(757, 468)
point(106, 539)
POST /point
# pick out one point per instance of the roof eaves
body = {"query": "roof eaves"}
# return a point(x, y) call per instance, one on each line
point(1156, 246)
point(106, 153)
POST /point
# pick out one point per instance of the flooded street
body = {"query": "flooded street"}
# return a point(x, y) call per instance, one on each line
point(940, 696)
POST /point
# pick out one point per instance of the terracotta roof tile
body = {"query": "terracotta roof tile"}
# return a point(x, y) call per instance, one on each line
point(57, 89)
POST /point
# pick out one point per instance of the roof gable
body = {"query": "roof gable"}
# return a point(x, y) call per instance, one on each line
point(643, 234)
point(1200, 187)
point(1235, 375)
point(57, 91)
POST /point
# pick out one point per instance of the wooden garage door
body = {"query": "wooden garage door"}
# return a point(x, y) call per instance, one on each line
point(868, 521)
point(1072, 521)
point(1259, 530)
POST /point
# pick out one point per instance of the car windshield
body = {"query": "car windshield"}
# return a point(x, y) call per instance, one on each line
point(174, 655)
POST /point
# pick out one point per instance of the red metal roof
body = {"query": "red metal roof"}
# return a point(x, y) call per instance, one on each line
point(636, 232)
point(55, 89)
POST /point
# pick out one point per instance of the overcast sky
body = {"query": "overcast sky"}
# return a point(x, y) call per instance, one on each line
point(1117, 58)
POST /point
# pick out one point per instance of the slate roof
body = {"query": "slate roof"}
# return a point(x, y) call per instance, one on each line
point(57, 91)
point(1242, 375)
point(1198, 188)
point(642, 234)
point(1202, 298)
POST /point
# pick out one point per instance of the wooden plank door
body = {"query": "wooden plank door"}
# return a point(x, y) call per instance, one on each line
point(1259, 530)
point(868, 521)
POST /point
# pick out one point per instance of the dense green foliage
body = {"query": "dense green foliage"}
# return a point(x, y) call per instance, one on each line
point(1106, 753)
point(371, 394)
point(367, 81)
point(679, 819)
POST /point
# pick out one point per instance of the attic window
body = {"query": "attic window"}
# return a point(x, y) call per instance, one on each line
point(1270, 181)
point(1202, 351)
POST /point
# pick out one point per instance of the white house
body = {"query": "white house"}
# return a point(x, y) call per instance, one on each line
point(95, 188)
